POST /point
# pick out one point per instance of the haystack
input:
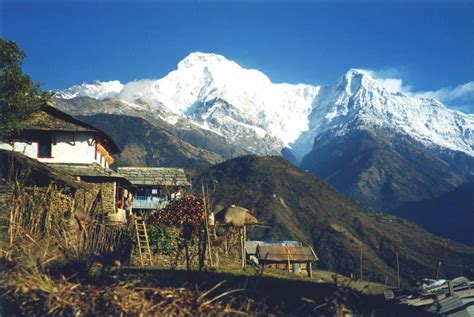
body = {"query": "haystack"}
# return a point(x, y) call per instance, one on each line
point(236, 216)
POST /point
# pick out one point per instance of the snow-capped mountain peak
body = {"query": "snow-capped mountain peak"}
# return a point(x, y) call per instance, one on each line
point(219, 95)
point(245, 107)
point(97, 90)
point(201, 58)
point(358, 101)
point(358, 79)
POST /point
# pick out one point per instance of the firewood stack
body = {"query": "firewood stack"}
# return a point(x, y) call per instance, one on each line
point(187, 213)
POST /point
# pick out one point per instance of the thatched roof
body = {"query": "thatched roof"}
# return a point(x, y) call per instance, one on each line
point(281, 253)
point(49, 118)
point(158, 176)
point(236, 216)
point(16, 166)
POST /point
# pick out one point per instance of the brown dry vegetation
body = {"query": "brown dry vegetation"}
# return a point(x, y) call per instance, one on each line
point(51, 265)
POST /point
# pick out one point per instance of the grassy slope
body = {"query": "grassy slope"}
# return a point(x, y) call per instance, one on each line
point(301, 207)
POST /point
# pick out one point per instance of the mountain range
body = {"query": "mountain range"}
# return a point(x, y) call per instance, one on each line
point(385, 149)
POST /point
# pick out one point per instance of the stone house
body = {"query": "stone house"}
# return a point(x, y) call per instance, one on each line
point(77, 149)
point(156, 186)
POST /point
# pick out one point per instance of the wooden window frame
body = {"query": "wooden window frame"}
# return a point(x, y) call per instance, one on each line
point(42, 140)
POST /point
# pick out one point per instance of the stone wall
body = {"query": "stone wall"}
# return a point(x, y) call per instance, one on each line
point(105, 203)
point(176, 257)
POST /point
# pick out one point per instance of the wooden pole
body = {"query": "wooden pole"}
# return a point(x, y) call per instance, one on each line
point(450, 288)
point(209, 245)
point(186, 253)
point(206, 216)
point(217, 259)
point(310, 269)
point(244, 257)
point(398, 272)
point(360, 273)
point(288, 259)
point(241, 247)
point(437, 270)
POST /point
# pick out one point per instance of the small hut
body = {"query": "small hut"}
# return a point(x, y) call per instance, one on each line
point(251, 247)
point(237, 217)
point(296, 258)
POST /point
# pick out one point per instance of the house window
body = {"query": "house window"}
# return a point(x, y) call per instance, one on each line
point(45, 145)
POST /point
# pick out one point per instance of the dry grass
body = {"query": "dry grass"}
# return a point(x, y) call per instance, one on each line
point(40, 250)
point(230, 264)
point(38, 247)
point(35, 293)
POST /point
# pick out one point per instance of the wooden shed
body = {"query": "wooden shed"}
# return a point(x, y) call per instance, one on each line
point(287, 257)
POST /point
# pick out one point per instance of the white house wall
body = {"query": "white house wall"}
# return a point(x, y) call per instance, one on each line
point(66, 148)
point(28, 149)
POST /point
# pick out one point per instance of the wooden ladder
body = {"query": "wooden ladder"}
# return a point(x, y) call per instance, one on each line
point(143, 244)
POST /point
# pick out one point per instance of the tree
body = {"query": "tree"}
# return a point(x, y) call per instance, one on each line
point(19, 96)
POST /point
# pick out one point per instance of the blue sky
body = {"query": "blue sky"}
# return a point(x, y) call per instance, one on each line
point(425, 46)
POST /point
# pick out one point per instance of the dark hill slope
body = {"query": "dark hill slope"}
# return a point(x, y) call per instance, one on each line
point(382, 169)
point(144, 144)
point(389, 172)
point(299, 206)
point(190, 133)
point(450, 215)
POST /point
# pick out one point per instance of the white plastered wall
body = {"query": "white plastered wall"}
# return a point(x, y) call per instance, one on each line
point(67, 147)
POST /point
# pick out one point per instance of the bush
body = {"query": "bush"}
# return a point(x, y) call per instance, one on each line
point(162, 239)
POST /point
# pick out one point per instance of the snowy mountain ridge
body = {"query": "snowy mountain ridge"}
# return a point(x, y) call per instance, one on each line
point(358, 101)
point(245, 107)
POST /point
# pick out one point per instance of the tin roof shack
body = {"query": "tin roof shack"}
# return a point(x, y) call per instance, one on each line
point(283, 256)
point(251, 247)
point(157, 186)
point(77, 149)
point(438, 297)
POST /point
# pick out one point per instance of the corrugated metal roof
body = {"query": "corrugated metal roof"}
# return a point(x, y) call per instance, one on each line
point(281, 253)
point(455, 306)
point(162, 176)
point(251, 246)
point(450, 303)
